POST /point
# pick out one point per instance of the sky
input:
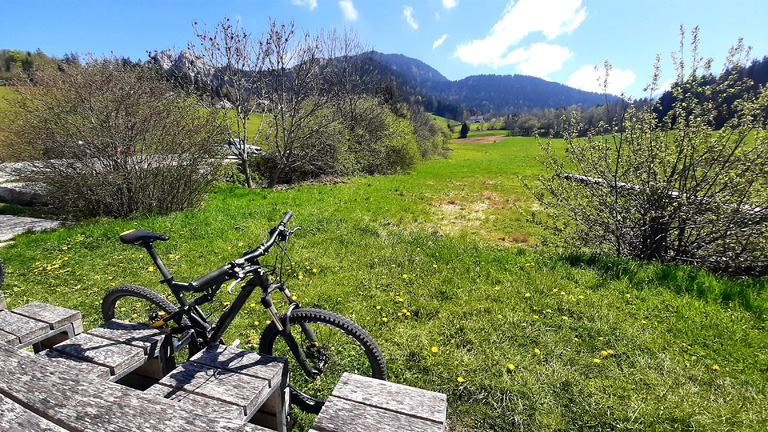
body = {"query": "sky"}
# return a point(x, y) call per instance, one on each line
point(558, 40)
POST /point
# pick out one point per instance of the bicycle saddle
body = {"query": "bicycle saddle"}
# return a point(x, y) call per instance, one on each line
point(141, 237)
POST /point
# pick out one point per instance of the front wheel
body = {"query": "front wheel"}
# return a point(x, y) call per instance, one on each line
point(340, 346)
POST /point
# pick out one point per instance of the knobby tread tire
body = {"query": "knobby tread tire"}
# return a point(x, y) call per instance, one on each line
point(345, 325)
point(115, 294)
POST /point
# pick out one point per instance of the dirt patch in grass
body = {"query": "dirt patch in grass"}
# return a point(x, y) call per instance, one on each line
point(515, 238)
point(479, 140)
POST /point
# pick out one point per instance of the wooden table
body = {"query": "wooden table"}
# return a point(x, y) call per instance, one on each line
point(38, 394)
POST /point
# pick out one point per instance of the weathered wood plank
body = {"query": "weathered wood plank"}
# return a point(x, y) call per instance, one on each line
point(8, 339)
point(245, 391)
point(149, 340)
point(187, 399)
point(54, 316)
point(415, 402)
point(77, 402)
point(24, 328)
point(82, 366)
point(242, 361)
point(114, 355)
point(3, 306)
point(15, 418)
point(341, 415)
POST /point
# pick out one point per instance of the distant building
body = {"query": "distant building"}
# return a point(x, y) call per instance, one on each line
point(476, 119)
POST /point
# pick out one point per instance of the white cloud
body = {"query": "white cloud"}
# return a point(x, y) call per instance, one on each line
point(448, 4)
point(589, 79)
point(408, 15)
point(538, 60)
point(350, 13)
point(439, 41)
point(550, 17)
point(311, 3)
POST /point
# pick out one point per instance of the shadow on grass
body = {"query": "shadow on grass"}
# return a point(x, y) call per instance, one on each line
point(749, 293)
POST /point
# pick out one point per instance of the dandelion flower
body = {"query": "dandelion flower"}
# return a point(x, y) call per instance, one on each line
point(511, 366)
point(597, 360)
point(565, 318)
point(535, 317)
point(378, 307)
point(537, 351)
point(435, 349)
point(384, 319)
point(527, 294)
point(461, 380)
point(150, 269)
point(604, 353)
point(715, 368)
point(501, 316)
point(255, 323)
point(627, 295)
point(314, 270)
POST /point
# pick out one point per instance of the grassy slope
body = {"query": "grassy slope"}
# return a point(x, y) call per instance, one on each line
point(677, 349)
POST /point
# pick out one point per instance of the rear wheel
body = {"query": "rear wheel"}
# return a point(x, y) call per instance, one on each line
point(340, 346)
point(139, 305)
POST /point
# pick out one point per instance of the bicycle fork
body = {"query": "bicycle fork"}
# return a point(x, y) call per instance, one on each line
point(285, 330)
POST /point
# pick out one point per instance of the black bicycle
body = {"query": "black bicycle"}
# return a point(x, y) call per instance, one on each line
point(321, 345)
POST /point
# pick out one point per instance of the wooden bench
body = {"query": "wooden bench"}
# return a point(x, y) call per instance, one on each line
point(38, 394)
point(120, 348)
point(363, 404)
point(38, 325)
point(236, 383)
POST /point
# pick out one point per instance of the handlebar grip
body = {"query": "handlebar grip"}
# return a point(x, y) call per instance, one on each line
point(287, 217)
point(219, 275)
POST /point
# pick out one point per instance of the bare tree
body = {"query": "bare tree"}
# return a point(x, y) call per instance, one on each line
point(308, 77)
point(238, 60)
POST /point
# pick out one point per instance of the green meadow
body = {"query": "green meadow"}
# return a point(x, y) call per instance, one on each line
point(444, 269)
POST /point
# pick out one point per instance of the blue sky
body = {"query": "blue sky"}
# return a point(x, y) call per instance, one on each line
point(559, 40)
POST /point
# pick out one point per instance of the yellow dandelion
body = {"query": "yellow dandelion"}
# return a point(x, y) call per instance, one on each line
point(255, 323)
point(501, 316)
point(537, 351)
point(597, 360)
point(314, 270)
point(150, 269)
point(554, 290)
point(253, 304)
point(627, 295)
point(511, 367)
point(435, 349)
point(604, 353)
point(535, 317)
point(527, 294)
point(240, 244)
point(461, 380)
point(435, 266)
point(715, 368)
point(610, 351)
point(378, 307)
point(384, 319)
point(565, 318)
point(548, 311)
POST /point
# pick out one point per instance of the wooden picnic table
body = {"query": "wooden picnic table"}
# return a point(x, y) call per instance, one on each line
point(38, 394)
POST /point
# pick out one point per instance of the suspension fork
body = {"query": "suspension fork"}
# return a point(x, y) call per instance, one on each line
point(284, 328)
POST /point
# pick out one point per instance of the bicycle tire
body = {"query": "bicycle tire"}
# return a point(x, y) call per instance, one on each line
point(352, 350)
point(142, 306)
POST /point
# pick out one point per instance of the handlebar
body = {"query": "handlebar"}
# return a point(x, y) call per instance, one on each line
point(228, 271)
point(264, 248)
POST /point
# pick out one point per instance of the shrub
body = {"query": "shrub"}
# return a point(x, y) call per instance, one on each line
point(671, 189)
point(112, 138)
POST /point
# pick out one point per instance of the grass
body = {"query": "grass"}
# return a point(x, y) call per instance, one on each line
point(526, 338)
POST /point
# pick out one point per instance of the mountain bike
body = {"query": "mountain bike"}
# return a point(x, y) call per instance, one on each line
point(320, 345)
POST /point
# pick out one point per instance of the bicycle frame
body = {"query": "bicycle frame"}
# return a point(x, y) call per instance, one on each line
point(214, 331)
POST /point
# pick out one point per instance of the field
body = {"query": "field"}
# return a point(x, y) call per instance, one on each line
point(444, 269)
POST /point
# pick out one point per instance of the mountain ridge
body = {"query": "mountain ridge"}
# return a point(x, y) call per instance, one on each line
point(490, 93)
